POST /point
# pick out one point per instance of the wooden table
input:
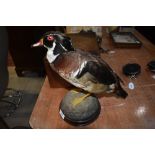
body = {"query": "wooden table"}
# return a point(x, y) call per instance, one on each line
point(137, 111)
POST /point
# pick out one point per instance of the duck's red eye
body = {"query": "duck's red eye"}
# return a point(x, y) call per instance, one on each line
point(50, 38)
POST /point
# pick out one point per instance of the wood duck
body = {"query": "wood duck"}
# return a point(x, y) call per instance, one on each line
point(82, 69)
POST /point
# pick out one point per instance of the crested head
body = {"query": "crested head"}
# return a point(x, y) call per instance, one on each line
point(58, 38)
point(56, 43)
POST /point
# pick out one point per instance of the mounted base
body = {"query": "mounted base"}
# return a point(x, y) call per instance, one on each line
point(81, 114)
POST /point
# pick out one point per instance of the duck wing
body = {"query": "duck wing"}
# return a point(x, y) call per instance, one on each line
point(102, 73)
point(99, 70)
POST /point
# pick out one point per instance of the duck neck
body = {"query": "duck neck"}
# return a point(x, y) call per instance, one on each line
point(54, 52)
point(50, 54)
point(59, 48)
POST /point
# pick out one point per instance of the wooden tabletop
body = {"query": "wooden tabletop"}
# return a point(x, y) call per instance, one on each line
point(136, 111)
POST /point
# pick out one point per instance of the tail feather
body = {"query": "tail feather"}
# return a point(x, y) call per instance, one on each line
point(120, 92)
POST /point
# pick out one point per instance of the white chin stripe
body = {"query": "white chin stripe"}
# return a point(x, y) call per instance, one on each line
point(50, 56)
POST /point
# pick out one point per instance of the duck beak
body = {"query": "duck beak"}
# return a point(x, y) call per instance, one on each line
point(40, 43)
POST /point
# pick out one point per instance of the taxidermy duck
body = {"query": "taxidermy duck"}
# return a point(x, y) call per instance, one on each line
point(82, 69)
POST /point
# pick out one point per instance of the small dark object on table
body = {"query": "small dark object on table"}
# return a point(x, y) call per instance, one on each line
point(151, 66)
point(131, 69)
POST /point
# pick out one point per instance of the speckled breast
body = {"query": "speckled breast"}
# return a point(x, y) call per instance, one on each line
point(67, 64)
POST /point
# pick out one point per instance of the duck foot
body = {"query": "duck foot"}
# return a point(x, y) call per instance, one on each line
point(78, 100)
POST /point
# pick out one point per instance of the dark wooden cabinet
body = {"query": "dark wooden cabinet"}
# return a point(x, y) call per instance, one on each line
point(26, 58)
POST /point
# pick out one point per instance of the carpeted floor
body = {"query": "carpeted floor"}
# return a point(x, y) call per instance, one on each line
point(30, 87)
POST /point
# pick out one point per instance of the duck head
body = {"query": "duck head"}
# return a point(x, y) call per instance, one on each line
point(56, 44)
